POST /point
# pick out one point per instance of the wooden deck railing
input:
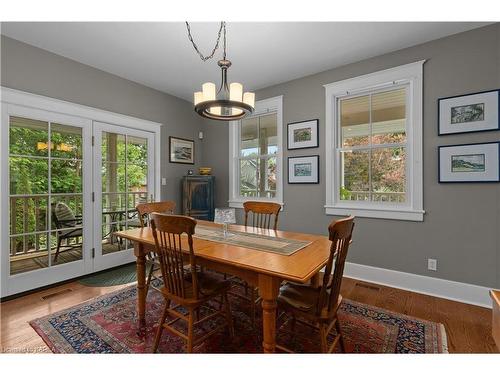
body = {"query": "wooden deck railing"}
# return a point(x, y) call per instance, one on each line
point(29, 218)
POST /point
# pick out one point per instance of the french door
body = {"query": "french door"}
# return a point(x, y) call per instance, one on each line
point(68, 183)
point(124, 177)
point(47, 162)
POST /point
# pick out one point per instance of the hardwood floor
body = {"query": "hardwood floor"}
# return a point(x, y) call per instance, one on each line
point(468, 327)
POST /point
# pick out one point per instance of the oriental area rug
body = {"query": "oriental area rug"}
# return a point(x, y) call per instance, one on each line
point(108, 324)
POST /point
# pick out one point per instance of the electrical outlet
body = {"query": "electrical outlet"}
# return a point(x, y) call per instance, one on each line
point(432, 264)
point(163, 181)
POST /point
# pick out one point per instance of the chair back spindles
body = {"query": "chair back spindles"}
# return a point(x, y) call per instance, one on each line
point(144, 210)
point(340, 235)
point(167, 233)
point(262, 214)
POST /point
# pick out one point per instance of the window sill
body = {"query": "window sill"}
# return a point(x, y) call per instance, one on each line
point(239, 203)
point(378, 213)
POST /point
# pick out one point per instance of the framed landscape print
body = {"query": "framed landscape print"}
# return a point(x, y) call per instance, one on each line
point(477, 162)
point(303, 170)
point(181, 150)
point(303, 134)
point(469, 113)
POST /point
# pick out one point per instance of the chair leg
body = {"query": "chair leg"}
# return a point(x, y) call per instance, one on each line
point(323, 338)
point(341, 339)
point(190, 331)
point(59, 240)
point(229, 317)
point(160, 326)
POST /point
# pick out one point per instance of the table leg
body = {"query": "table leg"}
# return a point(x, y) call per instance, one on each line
point(141, 283)
point(268, 290)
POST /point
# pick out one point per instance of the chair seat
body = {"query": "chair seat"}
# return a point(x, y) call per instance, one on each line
point(70, 233)
point(208, 286)
point(301, 297)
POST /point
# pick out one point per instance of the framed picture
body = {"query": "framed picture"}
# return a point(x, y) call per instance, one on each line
point(478, 162)
point(303, 134)
point(181, 150)
point(303, 169)
point(469, 113)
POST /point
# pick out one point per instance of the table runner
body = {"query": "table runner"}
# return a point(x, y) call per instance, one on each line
point(278, 245)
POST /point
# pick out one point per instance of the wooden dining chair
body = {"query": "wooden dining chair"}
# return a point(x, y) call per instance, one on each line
point(263, 215)
point(317, 306)
point(144, 210)
point(186, 287)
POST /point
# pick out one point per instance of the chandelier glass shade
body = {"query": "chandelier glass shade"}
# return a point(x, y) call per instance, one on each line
point(229, 102)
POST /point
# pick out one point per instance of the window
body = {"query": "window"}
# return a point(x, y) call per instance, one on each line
point(374, 145)
point(255, 146)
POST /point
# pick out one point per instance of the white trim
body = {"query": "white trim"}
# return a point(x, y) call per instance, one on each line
point(382, 213)
point(27, 99)
point(261, 107)
point(432, 286)
point(412, 76)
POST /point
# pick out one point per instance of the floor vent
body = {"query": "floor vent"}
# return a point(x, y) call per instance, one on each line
point(55, 294)
point(361, 285)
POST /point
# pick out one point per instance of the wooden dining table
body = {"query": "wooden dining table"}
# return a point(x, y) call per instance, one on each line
point(263, 269)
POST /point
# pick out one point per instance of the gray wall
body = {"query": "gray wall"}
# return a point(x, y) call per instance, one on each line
point(27, 68)
point(461, 228)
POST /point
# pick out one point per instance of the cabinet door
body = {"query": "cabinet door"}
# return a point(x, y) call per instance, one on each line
point(200, 196)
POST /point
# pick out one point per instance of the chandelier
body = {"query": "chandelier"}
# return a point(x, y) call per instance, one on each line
point(229, 102)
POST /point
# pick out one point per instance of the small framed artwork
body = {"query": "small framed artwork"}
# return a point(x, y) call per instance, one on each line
point(303, 134)
point(303, 169)
point(181, 150)
point(477, 162)
point(469, 113)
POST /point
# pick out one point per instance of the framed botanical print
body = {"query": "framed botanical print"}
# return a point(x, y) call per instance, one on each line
point(181, 150)
point(469, 113)
point(303, 134)
point(303, 170)
point(478, 162)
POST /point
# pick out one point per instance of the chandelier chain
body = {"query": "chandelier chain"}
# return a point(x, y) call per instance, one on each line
point(208, 57)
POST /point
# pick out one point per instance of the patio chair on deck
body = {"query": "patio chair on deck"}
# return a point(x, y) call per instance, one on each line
point(67, 223)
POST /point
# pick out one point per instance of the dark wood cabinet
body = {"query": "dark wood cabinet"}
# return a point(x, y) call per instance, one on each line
point(198, 197)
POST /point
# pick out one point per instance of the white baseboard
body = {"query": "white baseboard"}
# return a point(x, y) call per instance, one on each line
point(452, 290)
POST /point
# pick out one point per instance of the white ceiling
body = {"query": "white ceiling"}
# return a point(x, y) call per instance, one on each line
point(159, 55)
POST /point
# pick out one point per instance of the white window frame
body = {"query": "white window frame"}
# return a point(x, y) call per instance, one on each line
point(411, 76)
point(262, 107)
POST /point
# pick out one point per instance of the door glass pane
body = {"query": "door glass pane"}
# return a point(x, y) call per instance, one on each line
point(66, 245)
point(113, 147)
point(389, 117)
point(355, 181)
point(28, 176)
point(355, 121)
point(28, 137)
point(66, 176)
point(28, 253)
point(137, 177)
point(113, 177)
point(137, 150)
point(389, 175)
point(28, 214)
point(66, 141)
